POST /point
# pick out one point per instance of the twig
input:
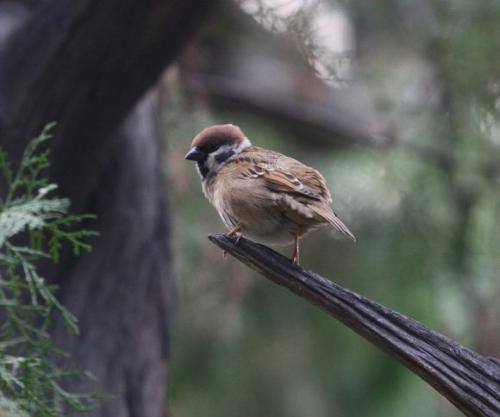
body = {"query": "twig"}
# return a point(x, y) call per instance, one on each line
point(467, 379)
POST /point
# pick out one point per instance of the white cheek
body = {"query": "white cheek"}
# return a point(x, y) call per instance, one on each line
point(211, 163)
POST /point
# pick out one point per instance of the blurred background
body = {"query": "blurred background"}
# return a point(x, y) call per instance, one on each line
point(396, 103)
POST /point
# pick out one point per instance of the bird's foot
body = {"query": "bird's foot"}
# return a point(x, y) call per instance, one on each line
point(235, 235)
point(295, 256)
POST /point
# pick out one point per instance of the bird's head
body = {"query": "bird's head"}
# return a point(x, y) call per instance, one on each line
point(214, 146)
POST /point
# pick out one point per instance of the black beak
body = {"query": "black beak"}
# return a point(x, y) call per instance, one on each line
point(195, 155)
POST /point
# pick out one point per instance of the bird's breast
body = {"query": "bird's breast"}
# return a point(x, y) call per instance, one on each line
point(258, 213)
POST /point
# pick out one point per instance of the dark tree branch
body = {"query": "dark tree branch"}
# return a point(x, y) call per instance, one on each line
point(85, 64)
point(467, 379)
point(322, 124)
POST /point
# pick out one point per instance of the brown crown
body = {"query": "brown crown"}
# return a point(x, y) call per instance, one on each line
point(218, 135)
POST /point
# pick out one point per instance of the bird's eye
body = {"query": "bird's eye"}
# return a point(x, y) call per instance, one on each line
point(209, 148)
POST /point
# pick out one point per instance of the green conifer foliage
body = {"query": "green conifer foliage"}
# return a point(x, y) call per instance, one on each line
point(34, 225)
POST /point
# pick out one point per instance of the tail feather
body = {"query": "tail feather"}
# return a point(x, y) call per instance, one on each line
point(332, 218)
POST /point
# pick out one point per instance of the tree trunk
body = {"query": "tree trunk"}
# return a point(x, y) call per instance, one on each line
point(85, 64)
point(120, 291)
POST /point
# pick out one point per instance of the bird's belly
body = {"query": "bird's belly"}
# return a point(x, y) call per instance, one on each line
point(265, 224)
point(268, 227)
point(277, 236)
point(258, 215)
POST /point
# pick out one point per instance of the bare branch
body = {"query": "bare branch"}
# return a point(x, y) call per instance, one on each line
point(467, 379)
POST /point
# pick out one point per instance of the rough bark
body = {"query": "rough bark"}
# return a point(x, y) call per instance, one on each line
point(120, 291)
point(467, 379)
point(85, 64)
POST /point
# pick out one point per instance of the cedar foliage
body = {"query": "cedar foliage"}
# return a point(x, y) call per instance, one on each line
point(34, 226)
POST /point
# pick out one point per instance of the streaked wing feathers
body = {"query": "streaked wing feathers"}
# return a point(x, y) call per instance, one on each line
point(284, 182)
point(303, 189)
point(281, 175)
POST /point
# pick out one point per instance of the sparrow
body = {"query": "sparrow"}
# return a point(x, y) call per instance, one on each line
point(259, 193)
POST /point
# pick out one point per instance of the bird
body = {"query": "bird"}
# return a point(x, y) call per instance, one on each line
point(259, 193)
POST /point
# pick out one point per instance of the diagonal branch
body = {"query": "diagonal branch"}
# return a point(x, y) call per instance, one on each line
point(467, 379)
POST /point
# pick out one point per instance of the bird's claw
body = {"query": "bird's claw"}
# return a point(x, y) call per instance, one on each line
point(235, 235)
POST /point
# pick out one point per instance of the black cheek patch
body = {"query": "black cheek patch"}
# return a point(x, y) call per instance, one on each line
point(202, 166)
point(220, 158)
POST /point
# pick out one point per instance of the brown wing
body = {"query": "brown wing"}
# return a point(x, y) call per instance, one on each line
point(281, 181)
point(305, 179)
point(287, 176)
point(315, 185)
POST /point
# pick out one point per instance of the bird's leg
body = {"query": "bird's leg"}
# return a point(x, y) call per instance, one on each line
point(295, 256)
point(235, 234)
